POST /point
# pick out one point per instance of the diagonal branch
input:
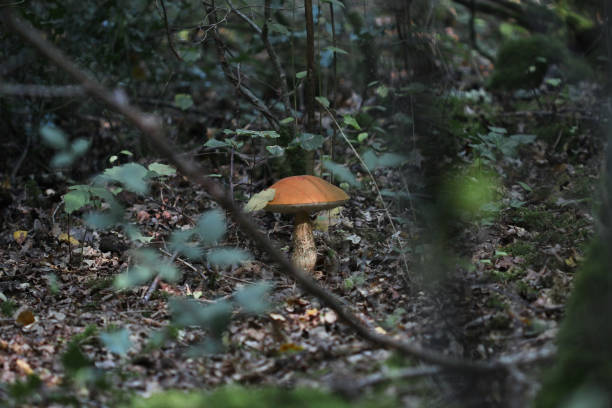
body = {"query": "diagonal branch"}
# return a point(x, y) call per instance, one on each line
point(151, 127)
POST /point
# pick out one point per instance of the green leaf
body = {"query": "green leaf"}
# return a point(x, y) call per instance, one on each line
point(183, 101)
point(227, 256)
point(254, 298)
point(382, 91)
point(126, 153)
point(275, 150)
point(323, 101)
point(214, 143)
point(134, 276)
point(101, 220)
point(117, 341)
point(80, 146)
point(500, 130)
point(182, 242)
point(212, 226)
point(362, 136)
point(350, 121)
point(188, 312)
point(279, 28)
point(162, 169)
point(134, 234)
point(62, 159)
point(310, 141)
point(301, 74)
point(335, 49)
point(391, 160)
point(341, 173)
point(525, 186)
point(75, 200)
point(54, 137)
point(131, 175)
point(271, 134)
point(287, 121)
point(260, 200)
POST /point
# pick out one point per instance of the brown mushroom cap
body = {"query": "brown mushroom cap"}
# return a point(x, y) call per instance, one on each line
point(305, 194)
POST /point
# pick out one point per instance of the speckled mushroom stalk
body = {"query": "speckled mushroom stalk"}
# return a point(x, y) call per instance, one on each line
point(304, 248)
point(302, 196)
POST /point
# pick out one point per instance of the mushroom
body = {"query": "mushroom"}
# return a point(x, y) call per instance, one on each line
point(302, 196)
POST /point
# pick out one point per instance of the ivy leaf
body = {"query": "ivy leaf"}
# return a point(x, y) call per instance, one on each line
point(75, 200)
point(275, 150)
point(323, 101)
point(214, 143)
point(131, 175)
point(117, 341)
point(80, 146)
point(253, 298)
point(211, 226)
point(341, 173)
point(54, 137)
point(350, 121)
point(183, 101)
point(260, 200)
point(227, 256)
point(310, 141)
point(162, 169)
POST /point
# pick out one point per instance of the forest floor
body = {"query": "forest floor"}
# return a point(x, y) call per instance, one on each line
point(501, 293)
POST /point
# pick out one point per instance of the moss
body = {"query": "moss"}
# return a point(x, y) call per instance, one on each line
point(522, 63)
point(584, 358)
point(238, 397)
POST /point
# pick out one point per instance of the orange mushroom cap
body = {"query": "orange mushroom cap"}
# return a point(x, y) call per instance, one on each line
point(305, 194)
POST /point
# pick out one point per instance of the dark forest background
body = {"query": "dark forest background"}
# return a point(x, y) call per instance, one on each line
point(470, 266)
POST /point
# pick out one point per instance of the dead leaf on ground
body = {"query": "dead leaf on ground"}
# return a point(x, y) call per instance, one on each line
point(24, 316)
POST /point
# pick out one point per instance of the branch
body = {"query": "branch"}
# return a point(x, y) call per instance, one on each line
point(263, 33)
point(151, 127)
point(170, 43)
point(42, 91)
point(244, 91)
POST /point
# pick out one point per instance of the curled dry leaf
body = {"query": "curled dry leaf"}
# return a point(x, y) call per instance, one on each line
point(24, 316)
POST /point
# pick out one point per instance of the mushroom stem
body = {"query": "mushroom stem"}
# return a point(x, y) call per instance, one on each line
point(304, 249)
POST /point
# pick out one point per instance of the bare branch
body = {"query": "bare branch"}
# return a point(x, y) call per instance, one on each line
point(235, 80)
point(168, 36)
point(42, 91)
point(263, 33)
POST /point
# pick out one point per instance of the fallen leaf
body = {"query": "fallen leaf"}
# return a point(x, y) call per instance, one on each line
point(288, 347)
point(24, 367)
point(24, 316)
point(20, 236)
point(260, 200)
point(63, 237)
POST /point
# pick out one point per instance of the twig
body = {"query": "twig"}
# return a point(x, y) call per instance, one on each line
point(42, 91)
point(24, 154)
point(155, 282)
point(170, 43)
point(244, 91)
point(151, 128)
